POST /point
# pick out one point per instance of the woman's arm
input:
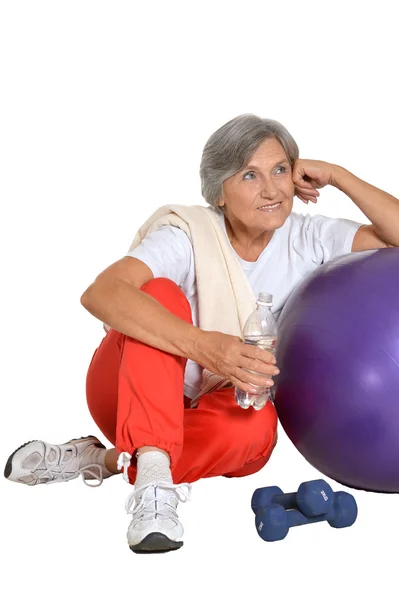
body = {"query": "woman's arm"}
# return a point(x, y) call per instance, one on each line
point(380, 207)
point(116, 299)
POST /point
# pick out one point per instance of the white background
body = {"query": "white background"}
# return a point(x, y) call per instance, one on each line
point(105, 109)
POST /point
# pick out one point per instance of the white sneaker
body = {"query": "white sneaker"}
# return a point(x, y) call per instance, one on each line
point(38, 462)
point(155, 526)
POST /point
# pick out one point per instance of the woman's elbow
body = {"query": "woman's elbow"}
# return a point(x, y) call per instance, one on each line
point(87, 297)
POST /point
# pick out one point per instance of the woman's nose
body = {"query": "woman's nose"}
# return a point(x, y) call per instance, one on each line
point(269, 191)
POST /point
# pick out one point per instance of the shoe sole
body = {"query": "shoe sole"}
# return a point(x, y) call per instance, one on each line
point(155, 543)
point(8, 467)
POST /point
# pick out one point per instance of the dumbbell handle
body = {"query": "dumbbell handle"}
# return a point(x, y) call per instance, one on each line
point(296, 517)
point(287, 501)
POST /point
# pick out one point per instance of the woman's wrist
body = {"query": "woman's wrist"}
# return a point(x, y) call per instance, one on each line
point(194, 342)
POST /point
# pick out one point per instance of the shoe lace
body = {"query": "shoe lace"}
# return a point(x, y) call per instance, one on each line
point(147, 502)
point(50, 466)
point(123, 464)
point(145, 496)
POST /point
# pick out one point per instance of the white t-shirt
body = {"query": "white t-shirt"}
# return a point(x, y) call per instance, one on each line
point(296, 249)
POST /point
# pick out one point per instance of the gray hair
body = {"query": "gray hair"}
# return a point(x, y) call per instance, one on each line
point(229, 149)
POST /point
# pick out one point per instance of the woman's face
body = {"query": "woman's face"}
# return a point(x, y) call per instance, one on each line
point(265, 181)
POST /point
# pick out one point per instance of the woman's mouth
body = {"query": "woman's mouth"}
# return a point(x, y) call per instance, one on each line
point(270, 207)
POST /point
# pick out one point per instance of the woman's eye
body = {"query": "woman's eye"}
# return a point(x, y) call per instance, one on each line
point(249, 174)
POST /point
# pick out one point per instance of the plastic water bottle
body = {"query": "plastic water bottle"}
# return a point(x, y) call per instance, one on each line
point(260, 330)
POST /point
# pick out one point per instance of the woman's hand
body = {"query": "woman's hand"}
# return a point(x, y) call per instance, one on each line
point(228, 356)
point(309, 175)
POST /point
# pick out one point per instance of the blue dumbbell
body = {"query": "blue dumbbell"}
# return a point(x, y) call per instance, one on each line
point(313, 498)
point(273, 521)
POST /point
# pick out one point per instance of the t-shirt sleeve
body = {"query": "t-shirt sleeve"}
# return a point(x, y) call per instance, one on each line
point(328, 238)
point(167, 251)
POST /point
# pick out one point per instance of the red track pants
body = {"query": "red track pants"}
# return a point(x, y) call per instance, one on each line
point(135, 395)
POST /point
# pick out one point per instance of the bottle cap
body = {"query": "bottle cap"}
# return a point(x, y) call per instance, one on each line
point(265, 298)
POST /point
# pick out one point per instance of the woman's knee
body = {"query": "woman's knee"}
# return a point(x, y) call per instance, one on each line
point(258, 437)
point(161, 285)
point(254, 430)
point(252, 467)
point(170, 295)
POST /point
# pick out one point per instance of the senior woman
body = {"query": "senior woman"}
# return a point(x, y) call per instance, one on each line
point(145, 381)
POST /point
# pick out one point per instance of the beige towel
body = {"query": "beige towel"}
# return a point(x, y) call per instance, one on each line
point(225, 298)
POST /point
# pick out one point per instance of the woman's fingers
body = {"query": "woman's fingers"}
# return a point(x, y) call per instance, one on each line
point(245, 387)
point(258, 366)
point(256, 353)
point(307, 198)
point(305, 193)
point(246, 381)
point(256, 375)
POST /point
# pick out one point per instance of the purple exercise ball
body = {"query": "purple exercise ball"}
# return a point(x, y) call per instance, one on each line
point(337, 395)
